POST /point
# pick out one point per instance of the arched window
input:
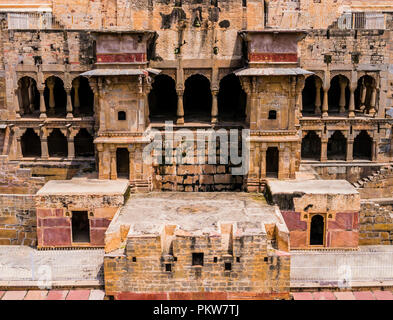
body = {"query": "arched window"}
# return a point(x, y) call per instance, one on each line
point(317, 230)
point(31, 144)
point(231, 99)
point(362, 146)
point(337, 147)
point(311, 146)
point(57, 144)
point(55, 97)
point(84, 146)
point(163, 99)
point(82, 97)
point(312, 96)
point(363, 93)
point(338, 95)
point(29, 97)
point(121, 115)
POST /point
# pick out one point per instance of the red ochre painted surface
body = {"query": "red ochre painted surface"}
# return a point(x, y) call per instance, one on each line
point(54, 229)
point(121, 57)
point(272, 57)
point(342, 232)
point(200, 296)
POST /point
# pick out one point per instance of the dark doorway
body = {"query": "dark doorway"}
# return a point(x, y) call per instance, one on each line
point(272, 162)
point(83, 102)
point(57, 144)
point(84, 146)
point(362, 146)
point(337, 147)
point(197, 259)
point(197, 99)
point(309, 95)
point(363, 92)
point(231, 99)
point(317, 230)
point(29, 96)
point(311, 146)
point(123, 163)
point(163, 99)
point(31, 144)
point(80, 226)
point(335, 93)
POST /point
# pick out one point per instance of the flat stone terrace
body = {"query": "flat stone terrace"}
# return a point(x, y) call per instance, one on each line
point(23, 267)
point(196, 213)
point(84, 186)
point(312, 187)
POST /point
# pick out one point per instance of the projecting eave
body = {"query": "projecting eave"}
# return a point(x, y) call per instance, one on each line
point(120, 72)
point(272, 72)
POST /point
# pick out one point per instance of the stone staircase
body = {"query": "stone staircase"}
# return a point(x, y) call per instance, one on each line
point(383, 173)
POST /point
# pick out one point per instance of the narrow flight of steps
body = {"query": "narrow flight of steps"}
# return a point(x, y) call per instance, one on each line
point(377, 175)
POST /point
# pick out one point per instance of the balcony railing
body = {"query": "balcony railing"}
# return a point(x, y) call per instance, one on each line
point(32, 21)
point(362, 20)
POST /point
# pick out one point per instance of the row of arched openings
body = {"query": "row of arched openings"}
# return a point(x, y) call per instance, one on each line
point(337, 146)
point(197, 99)
point(55, 97)
point(57, 144)
point(338, 95)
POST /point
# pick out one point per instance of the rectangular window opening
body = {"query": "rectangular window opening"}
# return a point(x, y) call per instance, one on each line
point(228, 266)
point(168, 267)
point(197, 259)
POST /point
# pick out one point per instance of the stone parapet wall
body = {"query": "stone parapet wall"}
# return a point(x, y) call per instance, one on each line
point(375, 224)
point(140, 268)
point(17, 220)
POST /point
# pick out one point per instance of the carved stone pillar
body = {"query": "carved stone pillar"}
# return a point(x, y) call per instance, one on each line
point(71, 145)
point(325, 105)
point(373, 100)
point(351, 107)
point(18, 136)
point(343, 82)
point(300, 82)
point(96, 107)
point(180, 109)
point(31, 95)
point(113, 163)
point(76, 85)
point(69, 104)
point(214, 106)
point(44, 143)
point(51, 87)
point(100, 150)
point(263, 160)
point(363, 93)
point(324, 142)
point(318, 86)
point(374, 149)
point(349, 149)
point(42, 103)
point(17, 100)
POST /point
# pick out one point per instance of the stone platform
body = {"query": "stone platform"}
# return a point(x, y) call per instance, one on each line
point(194, 213)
